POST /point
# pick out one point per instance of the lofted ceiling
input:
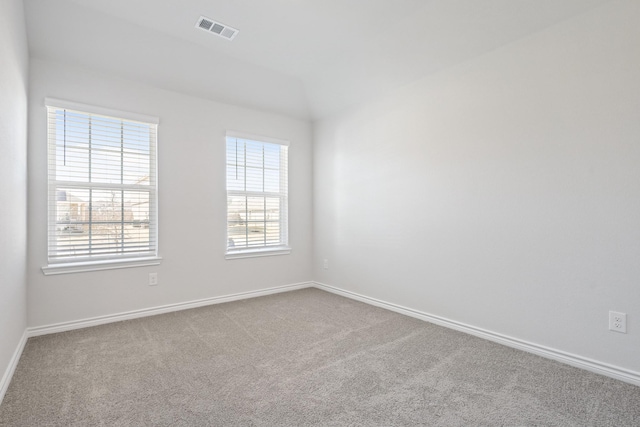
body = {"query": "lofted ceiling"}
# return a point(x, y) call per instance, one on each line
point(302, 58)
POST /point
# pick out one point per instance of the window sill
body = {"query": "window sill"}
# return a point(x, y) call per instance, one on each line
point(258, 253)
point(81, 267)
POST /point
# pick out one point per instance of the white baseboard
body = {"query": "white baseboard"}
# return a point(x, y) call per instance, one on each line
point(558, 355)
point(549, 353)
point(13, 363)
point(100, 320)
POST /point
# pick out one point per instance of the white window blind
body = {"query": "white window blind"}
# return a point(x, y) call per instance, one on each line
point(102, 184)
point(257, 194)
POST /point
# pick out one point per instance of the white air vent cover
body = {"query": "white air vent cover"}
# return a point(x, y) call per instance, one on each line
point(211, 26)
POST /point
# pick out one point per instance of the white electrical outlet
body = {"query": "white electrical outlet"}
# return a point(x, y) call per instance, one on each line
point(153, 279)
point(325, 264)
point(618, 322)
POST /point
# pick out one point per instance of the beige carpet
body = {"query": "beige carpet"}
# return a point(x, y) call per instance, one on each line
point(295, 359)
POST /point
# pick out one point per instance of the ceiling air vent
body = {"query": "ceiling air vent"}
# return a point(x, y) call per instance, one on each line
point(217, 28)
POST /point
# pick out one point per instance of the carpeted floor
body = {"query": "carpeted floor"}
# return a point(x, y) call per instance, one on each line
point(295, 359)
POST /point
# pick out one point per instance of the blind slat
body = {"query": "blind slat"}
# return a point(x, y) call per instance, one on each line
point(102, 192)
point(257, 193)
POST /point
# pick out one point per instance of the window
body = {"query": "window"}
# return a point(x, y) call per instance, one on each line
point(256, 196)
point(102, 185)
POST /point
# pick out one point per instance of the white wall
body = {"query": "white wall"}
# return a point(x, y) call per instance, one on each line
point(504, 193)
point(192, 201)
point(13, 178)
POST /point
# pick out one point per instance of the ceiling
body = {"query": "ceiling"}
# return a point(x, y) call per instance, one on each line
point(302, 58)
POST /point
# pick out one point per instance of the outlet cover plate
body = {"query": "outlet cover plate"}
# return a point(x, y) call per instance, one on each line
point(618, 322)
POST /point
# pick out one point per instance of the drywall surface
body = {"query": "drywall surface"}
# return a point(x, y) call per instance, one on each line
point(138, 53)
point(504, 193)
point(13, 178)
point(192, 201)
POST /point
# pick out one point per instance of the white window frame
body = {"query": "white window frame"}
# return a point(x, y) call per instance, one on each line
point(283, 248)
point(101, 262)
